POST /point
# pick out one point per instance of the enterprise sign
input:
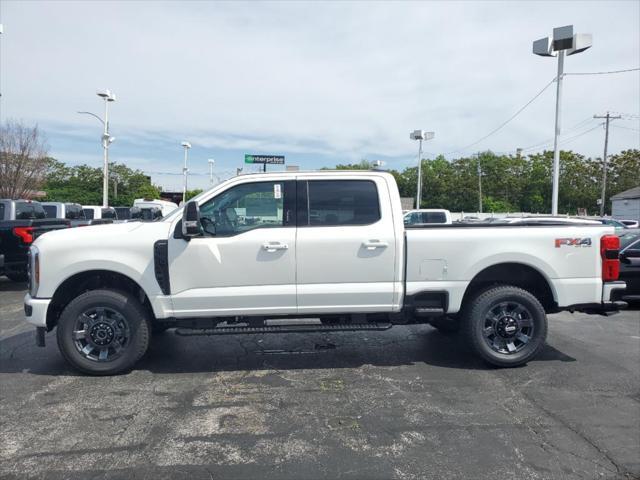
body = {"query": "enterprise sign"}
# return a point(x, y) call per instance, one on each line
point(265, 159)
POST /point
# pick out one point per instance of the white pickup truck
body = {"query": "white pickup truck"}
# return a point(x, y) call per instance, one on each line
point(325, 245)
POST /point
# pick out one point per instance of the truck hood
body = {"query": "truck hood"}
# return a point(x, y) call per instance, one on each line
point(105, 234)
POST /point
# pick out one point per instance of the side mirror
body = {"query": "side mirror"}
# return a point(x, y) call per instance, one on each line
point(191, 220)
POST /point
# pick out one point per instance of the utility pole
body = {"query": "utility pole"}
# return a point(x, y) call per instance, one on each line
point(607, 118)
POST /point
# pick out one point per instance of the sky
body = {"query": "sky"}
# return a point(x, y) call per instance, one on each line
point(322, 83)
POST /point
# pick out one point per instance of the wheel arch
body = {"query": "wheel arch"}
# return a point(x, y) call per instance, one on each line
point(519, 275)
point(93, 280)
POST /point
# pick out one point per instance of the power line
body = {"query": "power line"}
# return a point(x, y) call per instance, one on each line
point(577, 126)
point(605, 73)
point(626, 128)
point(505, 122)
point(563, 141)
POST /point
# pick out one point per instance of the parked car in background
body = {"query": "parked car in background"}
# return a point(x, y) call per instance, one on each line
point(617, 224)
point(165, 206)
point(95, 212)
point(21, 222)
point(146, 214)
point(630, 223)
point(123, 213)
point(69, 211)
point(541, 220)
point(428, 216)
point(630, 265)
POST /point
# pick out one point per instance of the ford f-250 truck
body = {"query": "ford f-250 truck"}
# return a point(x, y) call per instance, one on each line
point(325, 245)
point(21, 221)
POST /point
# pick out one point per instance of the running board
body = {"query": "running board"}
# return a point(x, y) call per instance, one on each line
point(188, 332)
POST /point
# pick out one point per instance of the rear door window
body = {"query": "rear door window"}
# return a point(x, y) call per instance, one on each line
point(73, 212)
point(342, 202)
point(28, 210)
point(50, 210)
point(88, 213)
point(434, 217)
point(109, 213)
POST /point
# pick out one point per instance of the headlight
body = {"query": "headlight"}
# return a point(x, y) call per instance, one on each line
point(34, 270)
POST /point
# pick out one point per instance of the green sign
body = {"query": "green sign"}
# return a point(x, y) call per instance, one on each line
point(265, 159)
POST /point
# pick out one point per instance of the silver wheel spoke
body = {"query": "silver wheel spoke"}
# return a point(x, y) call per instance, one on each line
point(511, 347)
point(488, 331)
point(87, 349)
point(526, 322)
point(104, 352)
point(79, 334)
point(523, 338)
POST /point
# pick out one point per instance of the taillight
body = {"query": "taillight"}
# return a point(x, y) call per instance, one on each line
point(25, 233)
point(609, 251)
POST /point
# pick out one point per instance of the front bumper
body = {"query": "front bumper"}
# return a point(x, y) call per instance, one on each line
point(35, 310)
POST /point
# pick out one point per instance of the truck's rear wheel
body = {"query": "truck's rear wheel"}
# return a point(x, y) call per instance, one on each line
point(505, 325)
point(103, 332)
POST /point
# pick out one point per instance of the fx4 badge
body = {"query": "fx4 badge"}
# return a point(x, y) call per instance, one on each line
point(573, 242)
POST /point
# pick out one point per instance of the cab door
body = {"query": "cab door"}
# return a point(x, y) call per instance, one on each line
point(346, 247)
point(244, 261)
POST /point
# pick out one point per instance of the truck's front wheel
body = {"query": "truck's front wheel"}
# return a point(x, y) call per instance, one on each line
point(505, 325)
point(103, 332)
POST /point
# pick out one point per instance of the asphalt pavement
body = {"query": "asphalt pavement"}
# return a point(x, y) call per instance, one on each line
point(408, 403)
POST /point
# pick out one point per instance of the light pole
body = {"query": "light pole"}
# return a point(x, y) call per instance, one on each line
point(479, 183)
point(185, 170)
point(211, 162)
point(107, 140)
point(420, 135)
point(562, 42)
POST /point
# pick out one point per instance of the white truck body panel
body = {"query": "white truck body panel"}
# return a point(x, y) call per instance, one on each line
point(572, 272)
point(323, 270)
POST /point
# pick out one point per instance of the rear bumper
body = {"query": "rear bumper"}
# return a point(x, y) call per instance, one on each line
point(35, 310)
point(609, 304)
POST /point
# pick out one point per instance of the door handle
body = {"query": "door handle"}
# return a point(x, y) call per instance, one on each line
point(373, 244)
point(273, 247)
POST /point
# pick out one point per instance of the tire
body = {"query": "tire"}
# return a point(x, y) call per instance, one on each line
point(505, 325)
point(104, 320)
point(19, 276)
point(445, 325)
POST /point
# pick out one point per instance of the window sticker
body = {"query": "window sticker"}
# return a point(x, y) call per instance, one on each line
point(277, 190)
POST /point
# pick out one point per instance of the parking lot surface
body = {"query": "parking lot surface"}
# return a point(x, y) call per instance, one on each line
point(409, 403)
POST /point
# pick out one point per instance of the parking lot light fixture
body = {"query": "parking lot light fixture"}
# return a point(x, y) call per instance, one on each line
point(562, 42)
point(185, 170)
point(211, 162)
point(420, 135)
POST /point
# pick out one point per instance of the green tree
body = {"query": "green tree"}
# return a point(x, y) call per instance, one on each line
point(83, 184)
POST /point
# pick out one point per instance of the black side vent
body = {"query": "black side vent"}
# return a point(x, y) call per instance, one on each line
point(161, 265)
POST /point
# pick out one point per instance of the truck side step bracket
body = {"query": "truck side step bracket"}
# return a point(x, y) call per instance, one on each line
point(429, 311)
point(187, 332)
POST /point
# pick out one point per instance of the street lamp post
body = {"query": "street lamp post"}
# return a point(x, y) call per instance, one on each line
point(185, 170)
point(211, 162)
point(107, 140)
point(420, 135)
point(479, 184)
point(562, 42)
point(108, 97)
